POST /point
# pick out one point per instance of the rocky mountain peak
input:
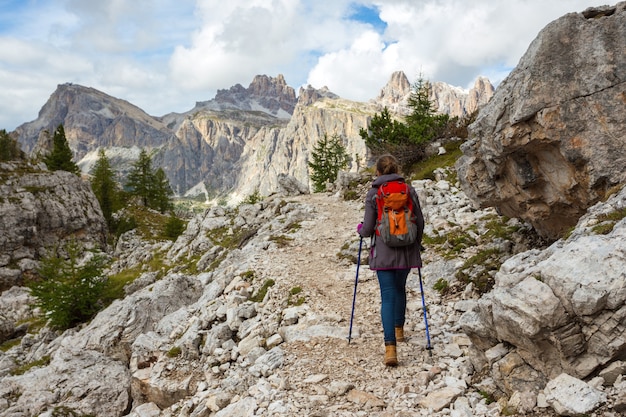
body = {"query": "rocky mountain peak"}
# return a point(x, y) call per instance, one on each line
point(309, 95)
point(396, 89)
point(91, 119)
point(264, 93)
point(446, 98)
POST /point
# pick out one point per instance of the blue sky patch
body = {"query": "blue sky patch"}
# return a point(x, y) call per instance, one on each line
point(370, 15)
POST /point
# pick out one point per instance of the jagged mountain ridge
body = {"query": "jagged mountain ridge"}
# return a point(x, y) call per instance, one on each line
point(251, 134)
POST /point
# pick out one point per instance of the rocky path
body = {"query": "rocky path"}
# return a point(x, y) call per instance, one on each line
point(326, 375)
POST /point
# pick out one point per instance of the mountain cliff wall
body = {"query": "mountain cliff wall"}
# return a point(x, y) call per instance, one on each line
point(241, 142)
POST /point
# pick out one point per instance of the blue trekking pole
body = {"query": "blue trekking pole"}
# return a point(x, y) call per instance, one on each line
point(356, 281)
point(428, 346)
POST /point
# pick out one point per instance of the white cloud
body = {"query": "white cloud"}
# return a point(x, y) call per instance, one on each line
point(453, 41)
point(163, 55)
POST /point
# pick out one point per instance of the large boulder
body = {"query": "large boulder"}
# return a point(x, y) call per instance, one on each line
point(551, 141)
point(561, 310)
point(39, 210)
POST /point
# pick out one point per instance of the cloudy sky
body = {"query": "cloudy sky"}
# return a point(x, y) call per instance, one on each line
point(164, 55)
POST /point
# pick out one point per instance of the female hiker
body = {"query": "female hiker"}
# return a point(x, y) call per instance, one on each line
point(392, 260)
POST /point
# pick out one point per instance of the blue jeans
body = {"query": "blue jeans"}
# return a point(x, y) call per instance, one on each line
point(392, 284)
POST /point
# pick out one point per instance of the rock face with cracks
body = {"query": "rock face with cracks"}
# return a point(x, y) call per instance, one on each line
point(551, 142)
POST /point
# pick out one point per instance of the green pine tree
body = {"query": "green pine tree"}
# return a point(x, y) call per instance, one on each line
point(60, 156)
point(105, 187)
point(406, 140)
point(140, 178)
point(424, 124)
point(9, 148)
point(161, 196)
point(70, 292)
point(384, 131)
point(329, 156)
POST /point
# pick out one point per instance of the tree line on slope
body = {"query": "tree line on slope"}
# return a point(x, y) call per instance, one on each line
point(385, 134)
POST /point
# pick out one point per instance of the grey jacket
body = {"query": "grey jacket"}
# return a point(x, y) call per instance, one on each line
point(381, 255)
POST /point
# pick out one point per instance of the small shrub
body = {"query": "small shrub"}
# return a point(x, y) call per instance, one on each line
point(281, 240)
point(248, 276)
point(441, 286)
point(608, 221)
point(488, 397)
point(20, 370)
point(7, 345)
point(479, 268)
point(252, 198)
point(298, 300)
point(260, 294)
point(174, 227)
point(124, 224)
point(295, 290)
point(173, 352)
point(67, 292)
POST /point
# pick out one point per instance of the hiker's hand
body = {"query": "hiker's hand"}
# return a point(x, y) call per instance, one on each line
point(359, 227)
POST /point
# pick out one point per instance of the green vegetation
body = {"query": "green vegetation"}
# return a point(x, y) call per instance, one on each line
point(105, 187)
point(174, 227)
point(63, 411)
point(252, 198)
point(441, 286)
point(293, 294)
point(488, 397)
point(9, 148)
point(450, 245)
point(248, 276)
point(406, 140)
point(260, 294)
point(425, 169)
point(479, 269)
point(8, 344)
point(328, 157)
point(607, 221)
point(281, 240)
point(68, 292)
point(152, 187)
point(60, 156)
point(228, 237)
point(173, 352)
point(20, 370)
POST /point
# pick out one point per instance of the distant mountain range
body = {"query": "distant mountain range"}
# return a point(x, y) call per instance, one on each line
point(235, 144)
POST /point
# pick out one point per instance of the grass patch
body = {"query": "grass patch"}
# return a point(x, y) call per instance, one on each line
point(608, 221)
point(426, 169)
point(479, 268)
point(21, 370)
point(450, 245)
point(293, 299)
point(7, 345)
point(281, 240)
point(441, 286)
point(248, 276)
point(228, 237)
point(173, 352)
point(116, 282)
point(260, 294)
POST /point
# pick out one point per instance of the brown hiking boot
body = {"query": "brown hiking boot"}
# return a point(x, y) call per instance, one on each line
point(391, 356)
point(399, 334)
